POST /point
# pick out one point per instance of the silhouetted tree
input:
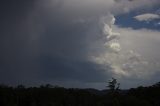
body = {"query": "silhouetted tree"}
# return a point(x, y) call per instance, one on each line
point(113, 85)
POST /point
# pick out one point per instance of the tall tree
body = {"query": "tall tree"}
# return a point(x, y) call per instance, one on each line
point(113, 85)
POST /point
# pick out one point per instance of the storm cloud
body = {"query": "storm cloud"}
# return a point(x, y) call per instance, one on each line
point(54, 41)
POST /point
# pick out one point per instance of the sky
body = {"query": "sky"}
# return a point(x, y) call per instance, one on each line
point(80, 43)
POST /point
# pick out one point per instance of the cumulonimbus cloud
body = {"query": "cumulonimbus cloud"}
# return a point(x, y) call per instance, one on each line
point(138, 57)
point(46, 44)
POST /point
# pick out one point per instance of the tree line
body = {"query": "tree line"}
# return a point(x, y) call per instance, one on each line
point(48, 95)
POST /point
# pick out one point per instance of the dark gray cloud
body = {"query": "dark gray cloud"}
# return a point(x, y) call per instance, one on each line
point(45, 44)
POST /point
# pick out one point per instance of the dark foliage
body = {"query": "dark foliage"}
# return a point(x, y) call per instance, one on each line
point(48, 95)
